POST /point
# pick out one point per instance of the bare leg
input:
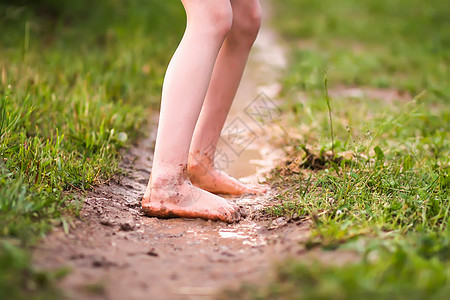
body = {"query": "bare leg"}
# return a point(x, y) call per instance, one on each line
point(169, 192)
point(225, 80)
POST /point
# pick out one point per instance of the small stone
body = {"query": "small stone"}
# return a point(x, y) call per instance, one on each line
point(97, 263)
point(279, 222)
point(102, 263)
point(127, 226)
point(152, 252)
point(76, 256)
point(226, 253)
point(107, 222)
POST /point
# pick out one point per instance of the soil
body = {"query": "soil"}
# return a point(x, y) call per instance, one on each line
point(115, 252)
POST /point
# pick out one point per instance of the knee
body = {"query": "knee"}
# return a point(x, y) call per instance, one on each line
point(214, 18)
point(246, 24)
point(221, 20)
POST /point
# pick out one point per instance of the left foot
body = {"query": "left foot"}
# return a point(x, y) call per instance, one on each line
point(204, 175)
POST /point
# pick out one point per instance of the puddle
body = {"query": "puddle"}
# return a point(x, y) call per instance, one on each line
point(246, 231)
point(233, 233)
point(246, 164)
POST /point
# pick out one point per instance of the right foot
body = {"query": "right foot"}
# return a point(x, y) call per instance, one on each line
point(179, 198)
point(204, 175)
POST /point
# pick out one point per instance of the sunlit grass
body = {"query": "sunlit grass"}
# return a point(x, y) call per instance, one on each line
point(398, 44)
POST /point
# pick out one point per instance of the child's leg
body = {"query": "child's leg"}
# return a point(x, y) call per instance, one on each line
point(170, 192)
point(225, 80)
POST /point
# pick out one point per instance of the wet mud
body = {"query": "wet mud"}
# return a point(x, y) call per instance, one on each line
point(115, 252)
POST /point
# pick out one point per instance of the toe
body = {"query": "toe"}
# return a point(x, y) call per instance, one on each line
point(232, 212)
point(260, 189)
point(236, 211)
point(237, 216)
point(226, 215)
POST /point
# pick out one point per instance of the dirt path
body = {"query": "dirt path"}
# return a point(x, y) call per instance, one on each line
point(117, 253)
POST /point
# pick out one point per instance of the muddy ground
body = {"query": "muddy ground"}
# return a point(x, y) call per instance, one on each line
point(115, 252)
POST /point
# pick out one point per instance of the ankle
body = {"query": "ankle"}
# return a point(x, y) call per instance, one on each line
point(199, 163)
point(169, 180)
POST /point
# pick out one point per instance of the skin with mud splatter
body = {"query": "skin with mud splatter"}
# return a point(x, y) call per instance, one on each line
point(176, 196)
point(200, 85)
point(205, 175)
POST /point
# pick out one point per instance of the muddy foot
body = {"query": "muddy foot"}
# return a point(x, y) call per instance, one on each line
point(206, 177)
point(171, 198)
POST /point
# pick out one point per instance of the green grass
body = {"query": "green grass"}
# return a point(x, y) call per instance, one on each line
point(394, 180)
point(385, 192)
point(396, 274)
point(400, 44)
point(77, 82)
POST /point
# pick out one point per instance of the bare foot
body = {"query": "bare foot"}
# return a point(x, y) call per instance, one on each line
point(179, 198)
point(204, 175)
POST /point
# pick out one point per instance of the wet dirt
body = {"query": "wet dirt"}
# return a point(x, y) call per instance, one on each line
point(115, 252)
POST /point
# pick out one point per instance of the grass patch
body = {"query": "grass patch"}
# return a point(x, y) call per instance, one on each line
point(376, 179)
point(395, 180)
point(397, 44)
point(78, 80)
point(396, 274)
